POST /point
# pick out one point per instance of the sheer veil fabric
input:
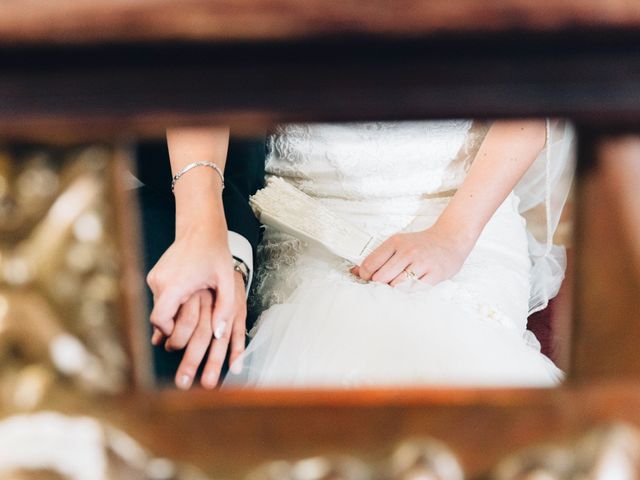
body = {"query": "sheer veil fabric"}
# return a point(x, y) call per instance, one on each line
point(546, 184)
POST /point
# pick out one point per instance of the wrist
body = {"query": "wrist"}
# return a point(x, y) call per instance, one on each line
point(459, 233)
point(204, 213)
point(187, 168)
point(240, 281)
point(199, 186)
point(202, 224)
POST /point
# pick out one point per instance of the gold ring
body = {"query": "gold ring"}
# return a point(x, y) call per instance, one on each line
point(410, 273)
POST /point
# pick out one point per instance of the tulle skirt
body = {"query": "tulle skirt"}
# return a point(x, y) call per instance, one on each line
point(352, 334)
point(333, 330)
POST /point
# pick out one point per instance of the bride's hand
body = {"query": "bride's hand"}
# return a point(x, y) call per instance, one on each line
point(199, 259)
point(433, 255)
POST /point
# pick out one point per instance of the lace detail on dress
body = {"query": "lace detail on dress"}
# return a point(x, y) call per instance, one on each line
point(476, 135)
point(459, 166)
point(275, 277)
point(288, 150)
point(367, 160)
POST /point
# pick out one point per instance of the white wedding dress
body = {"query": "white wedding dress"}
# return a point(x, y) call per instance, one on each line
point(320, 326)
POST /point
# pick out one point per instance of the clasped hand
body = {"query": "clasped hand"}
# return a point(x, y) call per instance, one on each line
point(199, 305)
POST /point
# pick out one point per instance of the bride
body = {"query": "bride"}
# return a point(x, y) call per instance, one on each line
point(444, 299)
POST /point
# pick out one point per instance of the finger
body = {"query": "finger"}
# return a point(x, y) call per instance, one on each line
point(185, 324)
point(157, 337)
point(355, 270)
point(166, 307)
point(197, 348)
point(429, 278)
point(151, 280)
point(217, 353)
point(224, 308)
point(376, 259)
point(391, 269)
point(238, 336)
point(402, 277)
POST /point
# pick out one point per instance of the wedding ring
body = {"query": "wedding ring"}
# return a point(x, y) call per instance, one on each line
point(410, 273)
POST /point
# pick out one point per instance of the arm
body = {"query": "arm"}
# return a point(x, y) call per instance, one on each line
point(199, 195)
point(437, 253)
point(198, 261)
point(243, 170)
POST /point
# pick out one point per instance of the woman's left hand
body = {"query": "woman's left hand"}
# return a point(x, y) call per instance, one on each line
point(433, 255)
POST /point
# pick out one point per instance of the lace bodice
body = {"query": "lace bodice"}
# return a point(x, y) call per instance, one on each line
point(383, 160)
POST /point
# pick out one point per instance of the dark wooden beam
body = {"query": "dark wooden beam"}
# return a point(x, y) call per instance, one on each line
point(107, 90)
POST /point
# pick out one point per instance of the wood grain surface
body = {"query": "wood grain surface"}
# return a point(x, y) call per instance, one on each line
point(229, 433)
point(607, 288)
point(90, 21)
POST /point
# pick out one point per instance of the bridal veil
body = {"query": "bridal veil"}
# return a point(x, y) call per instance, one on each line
point(546, 185)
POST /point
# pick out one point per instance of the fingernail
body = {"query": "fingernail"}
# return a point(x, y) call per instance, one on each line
point(184, 382)
point(155, 338)
point(220, 329)
point(236, 367)
point(211, 382)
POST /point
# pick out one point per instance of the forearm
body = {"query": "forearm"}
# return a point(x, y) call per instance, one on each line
point(198, 194)
point(508, 150)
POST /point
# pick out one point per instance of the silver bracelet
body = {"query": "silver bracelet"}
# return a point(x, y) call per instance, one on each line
point(194, 165)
